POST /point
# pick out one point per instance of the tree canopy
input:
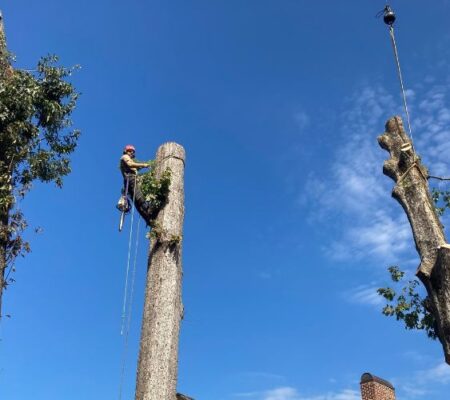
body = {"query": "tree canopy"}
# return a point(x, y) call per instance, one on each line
point(36, 141)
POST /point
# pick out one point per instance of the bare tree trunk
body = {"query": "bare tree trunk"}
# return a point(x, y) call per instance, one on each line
point(412, 192)
point(163, 309)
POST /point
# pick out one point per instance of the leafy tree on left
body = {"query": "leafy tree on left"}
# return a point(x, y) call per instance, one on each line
point(36, 141)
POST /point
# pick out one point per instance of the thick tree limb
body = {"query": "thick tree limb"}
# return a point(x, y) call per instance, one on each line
point(163, 309)
point(412, 192)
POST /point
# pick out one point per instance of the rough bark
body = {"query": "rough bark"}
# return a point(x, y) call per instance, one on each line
point(163, 309)
point(412, 192)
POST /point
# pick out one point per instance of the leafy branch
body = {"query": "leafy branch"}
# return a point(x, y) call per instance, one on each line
point(154, 188)
point(441, 200)
point(36, 140)
point(407, 304)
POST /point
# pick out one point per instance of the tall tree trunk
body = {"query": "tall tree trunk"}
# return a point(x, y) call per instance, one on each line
point(163, 309)
point(412, 192)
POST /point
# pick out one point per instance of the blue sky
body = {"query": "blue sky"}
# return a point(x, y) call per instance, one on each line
point(289, 222)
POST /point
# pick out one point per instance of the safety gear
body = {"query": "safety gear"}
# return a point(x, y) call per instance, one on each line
point(129, 147)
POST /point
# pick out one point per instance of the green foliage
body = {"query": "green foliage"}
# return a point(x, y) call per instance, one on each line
point(35, 124)
point(155, 189)
point(36, 139)
point(407, 304)
point(441, 200)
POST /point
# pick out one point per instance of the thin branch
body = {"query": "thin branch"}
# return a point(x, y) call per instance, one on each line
point(438, 177)
point(11, 268)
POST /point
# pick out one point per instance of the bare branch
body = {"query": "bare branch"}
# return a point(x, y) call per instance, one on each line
point(438, 177)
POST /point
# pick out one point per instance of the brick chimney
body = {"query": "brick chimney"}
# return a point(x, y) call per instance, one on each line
point(374, 388)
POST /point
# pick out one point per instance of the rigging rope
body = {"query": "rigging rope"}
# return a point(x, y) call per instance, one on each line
point(400, 78)
point(124, 306)
point(129, 311)
point(389, 19)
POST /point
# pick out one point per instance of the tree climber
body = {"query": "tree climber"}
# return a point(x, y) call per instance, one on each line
point(129, 169)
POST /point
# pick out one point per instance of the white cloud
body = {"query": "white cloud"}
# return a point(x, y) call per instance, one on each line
point(282, 393)
point(433, 128)
point(417, 385)
point(290, 393)
point(354, 196)
point(423, 382)
point(386, 235)
point(414, 355)
point(365, 295)
point(347, 394)
point(413, 391)
point(438, 374)
point(302, 119)
point(262, 375)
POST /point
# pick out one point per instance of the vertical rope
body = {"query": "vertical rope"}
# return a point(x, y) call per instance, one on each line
point(133, 279)
point(130, 304)
point(124, 306)
point(400, 77)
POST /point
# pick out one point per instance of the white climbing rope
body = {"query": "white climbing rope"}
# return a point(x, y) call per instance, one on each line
point(400, 78)
point(125, 294)
point(129, 311)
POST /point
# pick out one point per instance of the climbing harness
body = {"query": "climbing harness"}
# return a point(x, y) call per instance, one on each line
point(389, 19)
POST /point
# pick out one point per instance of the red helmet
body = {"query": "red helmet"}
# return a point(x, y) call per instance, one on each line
point(129, 147)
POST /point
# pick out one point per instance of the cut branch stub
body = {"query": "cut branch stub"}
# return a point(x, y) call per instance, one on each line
point(412, 192)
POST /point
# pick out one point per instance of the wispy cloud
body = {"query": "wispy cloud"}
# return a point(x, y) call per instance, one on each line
point(260, 375)
point(291, 393)
point(437, 374)
point(366, 295)
point(413, 392)
point(385, 235)
point(433, 123)
point(355, 195)
point(423, 382)
point(301, 119)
